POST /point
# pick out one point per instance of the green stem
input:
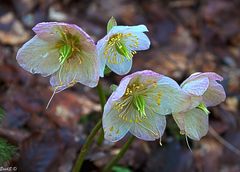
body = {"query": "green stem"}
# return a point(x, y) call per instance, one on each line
point(102, 98)
point(124, 149)
point(101, 95)
point(78, 164)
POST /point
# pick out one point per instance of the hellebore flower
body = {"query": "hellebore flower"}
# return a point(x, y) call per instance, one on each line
point(139, 104)
point(117, 48)
point(64, 52)
point(205, 91)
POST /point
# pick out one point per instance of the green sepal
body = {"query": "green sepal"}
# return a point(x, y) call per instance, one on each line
point(107, 70)
point(203, 107)
point(112, 22)
point(113, 87)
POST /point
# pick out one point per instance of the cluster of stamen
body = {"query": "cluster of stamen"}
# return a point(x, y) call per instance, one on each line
point(135, 97)
point(117, 44)
point(68, 47)
point(203, 107)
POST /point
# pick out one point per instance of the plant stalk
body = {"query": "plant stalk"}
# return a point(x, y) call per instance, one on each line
point(123, 150)
point(78, 164)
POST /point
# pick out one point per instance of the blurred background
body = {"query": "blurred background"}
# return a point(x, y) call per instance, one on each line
point(186, 35)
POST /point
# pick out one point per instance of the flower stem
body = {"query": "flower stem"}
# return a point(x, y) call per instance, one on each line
point(102, 98)
point(101, 95)
point(124, 149)
point(78, 165)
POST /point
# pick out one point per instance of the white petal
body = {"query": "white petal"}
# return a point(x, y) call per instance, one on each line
point(138, 41)
point(38, 56)
point(194, 123)
point(196, 86)
point(173, 99)
point(101, 58)
point(122, 65)
point(73, 71)
point(150, 128)
point(214, 95)
point(128, 29)
point(115, 128)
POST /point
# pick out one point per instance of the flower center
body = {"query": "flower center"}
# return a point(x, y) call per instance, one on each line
point(134, 96)
point(132, 106)
point(65, 52)
point(118, 44)
point(67, 47)
point(203, 107)
point(139, 104)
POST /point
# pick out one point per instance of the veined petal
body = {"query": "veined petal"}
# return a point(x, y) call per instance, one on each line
point(120, 64)
point(150, 128)
point(214, 95)
point(38, 56)
point(100, 51)
point(53, 31)
point(191, 77)
point(82, 68)
point(114, 127)
point(172, 98)
point(128, 29)
point(194, 123)
point(117, 94)
point(196, 86)
point(138, 41)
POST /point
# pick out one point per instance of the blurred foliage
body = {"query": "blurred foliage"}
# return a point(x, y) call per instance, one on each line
point(120, 169)
point(6, 150)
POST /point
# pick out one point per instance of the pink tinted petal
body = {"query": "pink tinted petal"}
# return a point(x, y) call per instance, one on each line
point(52, 31)
point(125, 81)
point(213, 76)
point(38, 56)
point(214, 95)
point(196, 86)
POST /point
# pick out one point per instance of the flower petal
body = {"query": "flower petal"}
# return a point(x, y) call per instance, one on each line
point(54, 30)
point(138, 41)
point(73, 71)
point(194, 123)
point(214, 95)
point(128, 29)
point(196, 86)
point(150, 128)
point(172, 98)
point(122, 65)
point(38, 56)
point(100, 52)
point(115, 128)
